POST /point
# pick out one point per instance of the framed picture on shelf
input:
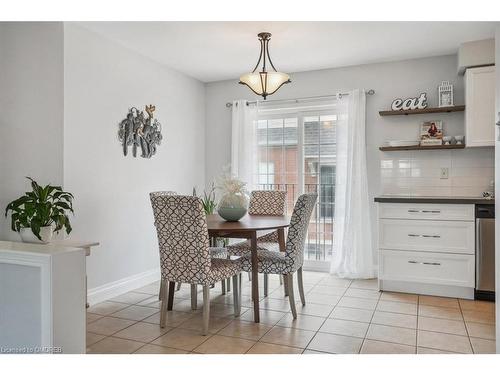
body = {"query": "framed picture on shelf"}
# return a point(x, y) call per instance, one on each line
point(431, 133)
point(445, 93)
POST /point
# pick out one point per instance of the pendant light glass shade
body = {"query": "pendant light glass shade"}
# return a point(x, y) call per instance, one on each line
point(265, 82)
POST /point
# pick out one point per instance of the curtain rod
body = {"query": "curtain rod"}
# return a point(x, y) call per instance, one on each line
point(368, 92)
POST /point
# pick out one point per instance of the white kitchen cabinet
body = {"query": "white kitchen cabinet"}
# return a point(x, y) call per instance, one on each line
point(427, 248)
point(480, 107)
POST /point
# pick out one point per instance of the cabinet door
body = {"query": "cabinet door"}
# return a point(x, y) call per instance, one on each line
point(480, 107)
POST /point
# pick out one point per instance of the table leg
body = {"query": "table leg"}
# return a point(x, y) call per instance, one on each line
point(255, 278)
point(282, 245)
point(281, 238)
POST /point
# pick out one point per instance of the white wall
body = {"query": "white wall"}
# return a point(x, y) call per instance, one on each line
point(31, 107)
point(390, 80)
point(102, 80)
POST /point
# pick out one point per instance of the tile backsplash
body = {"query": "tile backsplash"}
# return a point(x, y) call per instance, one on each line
point(418, 173)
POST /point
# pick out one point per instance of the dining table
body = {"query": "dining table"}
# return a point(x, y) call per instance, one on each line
point(248, 228)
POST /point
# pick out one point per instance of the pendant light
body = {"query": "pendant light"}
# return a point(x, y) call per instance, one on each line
point(265, 82)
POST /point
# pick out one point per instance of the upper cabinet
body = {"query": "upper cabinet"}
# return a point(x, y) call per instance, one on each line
point(480, 107)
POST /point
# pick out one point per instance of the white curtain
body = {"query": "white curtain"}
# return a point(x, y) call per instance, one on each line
point(352, 249)
point(243, 144)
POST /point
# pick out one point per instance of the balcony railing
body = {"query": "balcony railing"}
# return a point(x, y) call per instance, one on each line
point(319, 240)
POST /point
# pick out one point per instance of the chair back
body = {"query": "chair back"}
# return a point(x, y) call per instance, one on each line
point(165, 192)
point(267, 202)
point(181, 226)
point(295, 242)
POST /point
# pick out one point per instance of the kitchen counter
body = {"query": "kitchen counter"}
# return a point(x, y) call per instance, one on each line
point(450, 200)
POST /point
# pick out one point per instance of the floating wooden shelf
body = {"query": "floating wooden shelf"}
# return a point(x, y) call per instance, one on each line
point(419, 148)
point(456, 108)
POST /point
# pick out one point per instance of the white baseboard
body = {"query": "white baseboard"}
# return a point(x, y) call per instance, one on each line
point(427, 289)
point(322, 266)
point(115, 288)
point(316, 266)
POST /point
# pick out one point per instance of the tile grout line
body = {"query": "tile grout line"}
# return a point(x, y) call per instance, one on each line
point(418, 319)
point(466, 328)
point(370, 323)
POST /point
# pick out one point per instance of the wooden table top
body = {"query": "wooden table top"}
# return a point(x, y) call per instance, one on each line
point(247, 223)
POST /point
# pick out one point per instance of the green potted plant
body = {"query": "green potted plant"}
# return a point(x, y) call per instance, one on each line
point(208, 200)
point(40, 212)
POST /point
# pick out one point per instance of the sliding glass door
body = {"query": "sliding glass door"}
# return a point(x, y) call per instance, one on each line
point(296, 153)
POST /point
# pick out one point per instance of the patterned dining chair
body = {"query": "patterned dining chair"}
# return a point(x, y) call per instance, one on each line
point(291, 261)
point(185, 255)
point(214, 251)
point(157, 194)
point(263, 202)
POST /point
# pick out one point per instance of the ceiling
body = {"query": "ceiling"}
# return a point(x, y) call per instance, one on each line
point(214, 51)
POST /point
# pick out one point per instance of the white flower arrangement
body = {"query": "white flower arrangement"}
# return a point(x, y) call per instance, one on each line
point(234, 193)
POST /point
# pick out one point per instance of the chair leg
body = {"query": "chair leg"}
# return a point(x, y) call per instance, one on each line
point(206, 308)
point(171, 290)
point(266, 284)
point(160, 294)
point(178, 287)
point(301, 286)
point(290, 295)
point(236, 296)
point(163, 299)
point(228, 284)
point(194, 296)
point(223, 284)
point(285, 285)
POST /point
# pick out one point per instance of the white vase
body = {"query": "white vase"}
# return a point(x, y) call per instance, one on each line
point(27, 235)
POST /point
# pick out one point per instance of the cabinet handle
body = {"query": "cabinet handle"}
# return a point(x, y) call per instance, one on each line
point(425, 263)
point(413, 211)
point(424, 235)
point(431, 211)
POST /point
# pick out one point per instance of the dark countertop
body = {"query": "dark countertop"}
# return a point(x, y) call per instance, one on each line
point(450, 200)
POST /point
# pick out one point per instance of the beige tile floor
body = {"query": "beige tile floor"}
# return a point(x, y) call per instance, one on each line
point(341, 316)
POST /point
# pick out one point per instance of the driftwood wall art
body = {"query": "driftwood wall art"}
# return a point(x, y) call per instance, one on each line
point(140, 130)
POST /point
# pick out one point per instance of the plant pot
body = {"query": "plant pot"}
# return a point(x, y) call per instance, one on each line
point(28, 236)
point(232, 213)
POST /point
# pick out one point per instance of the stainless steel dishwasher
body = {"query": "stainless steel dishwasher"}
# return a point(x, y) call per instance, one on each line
point(485, 252)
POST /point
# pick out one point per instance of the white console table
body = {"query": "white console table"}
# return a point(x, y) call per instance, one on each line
point(42, 297)
point(87, 246)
